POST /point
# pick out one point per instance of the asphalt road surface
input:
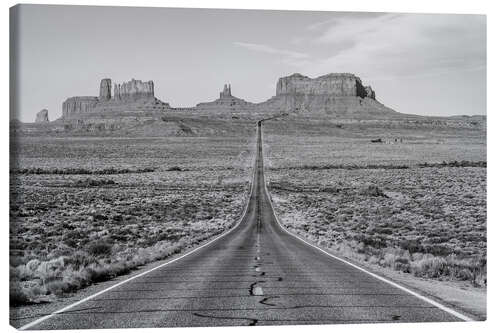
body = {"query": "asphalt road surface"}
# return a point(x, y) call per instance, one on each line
point(257, 274)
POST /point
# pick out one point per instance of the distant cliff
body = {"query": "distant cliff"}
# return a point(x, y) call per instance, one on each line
point(335, 84)
point(334, 94)
point(133, 90)
point(77, 105)
point(134, 95)
point(336, 97)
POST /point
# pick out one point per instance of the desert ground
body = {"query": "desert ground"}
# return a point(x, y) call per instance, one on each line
point(414, 203)
point(86, 209)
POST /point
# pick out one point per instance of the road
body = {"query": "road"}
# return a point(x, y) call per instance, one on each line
point(256, 274)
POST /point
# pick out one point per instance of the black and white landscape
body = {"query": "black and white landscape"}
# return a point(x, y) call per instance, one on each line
point(166, 187)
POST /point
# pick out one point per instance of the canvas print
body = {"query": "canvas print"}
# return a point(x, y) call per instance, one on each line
point(219, 167)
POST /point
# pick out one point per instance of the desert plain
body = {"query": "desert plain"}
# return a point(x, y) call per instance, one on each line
point(99, 194)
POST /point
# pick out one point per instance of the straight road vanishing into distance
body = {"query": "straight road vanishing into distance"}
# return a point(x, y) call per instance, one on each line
point(255, 274)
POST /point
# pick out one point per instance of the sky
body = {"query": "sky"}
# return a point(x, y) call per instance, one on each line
point(426, 64)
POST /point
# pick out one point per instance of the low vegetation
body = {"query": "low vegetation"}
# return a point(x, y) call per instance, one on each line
point(78, 171)
point(101, 213)
point(395, 206)
point(65, 239)
point(444, 164)
point(455, 164)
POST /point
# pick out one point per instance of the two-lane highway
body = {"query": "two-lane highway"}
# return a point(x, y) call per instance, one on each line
point(256, 274)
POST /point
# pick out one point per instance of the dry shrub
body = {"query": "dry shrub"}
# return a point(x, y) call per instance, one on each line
point(76, 279)
point(429, 266)
point(57, 287)
point(32, 265)
point(419, 264)
point(100, 248)
point(50, 270)
point(374, 191)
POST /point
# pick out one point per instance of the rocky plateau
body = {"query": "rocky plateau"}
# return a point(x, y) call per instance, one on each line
point(336, 98)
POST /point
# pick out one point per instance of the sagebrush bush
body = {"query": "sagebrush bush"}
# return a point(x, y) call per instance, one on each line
point(57, 287)
point(50, 270)
point(100, 248)
point(32, 265)
point(373, 190)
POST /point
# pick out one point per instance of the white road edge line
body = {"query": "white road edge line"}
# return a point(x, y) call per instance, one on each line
point(394, 284)
point(44, 318)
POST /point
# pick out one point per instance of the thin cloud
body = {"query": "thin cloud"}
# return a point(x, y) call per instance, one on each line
point(402, 45)
point(288, 57)
point(271, 50)
point(352, 28)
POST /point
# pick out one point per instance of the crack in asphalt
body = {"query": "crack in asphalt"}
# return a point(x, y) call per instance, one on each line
point(193, 281)
point(197, 275)
point(395, 317)
point(85, 311)
point(274, 287)
point(281, 294)
point(328, 283)
point(253, 321)
point(265, 299)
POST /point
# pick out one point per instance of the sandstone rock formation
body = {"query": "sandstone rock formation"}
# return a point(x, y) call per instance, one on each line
point(335, 94)
point(337, 98)
point(105, 90)
point(226, 104)
point(334, 84)
point(42, 116)
point(77, 105)
point(131, 96)
point(226, 92)
point(134, 90)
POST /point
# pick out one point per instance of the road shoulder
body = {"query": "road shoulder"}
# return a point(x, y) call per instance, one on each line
point(457, 295)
